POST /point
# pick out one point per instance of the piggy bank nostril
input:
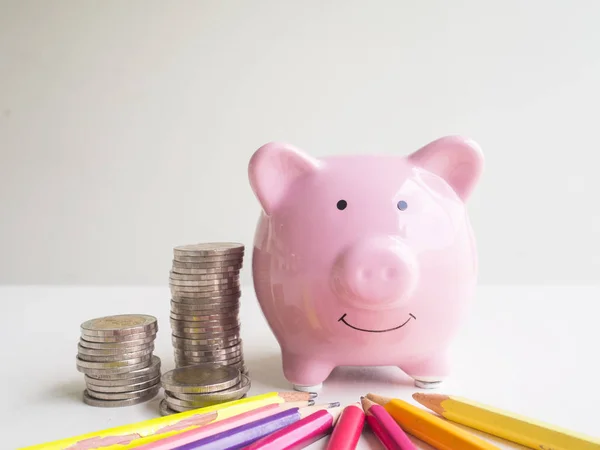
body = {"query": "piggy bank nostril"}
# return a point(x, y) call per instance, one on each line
point(366, 274)
point(390, 273)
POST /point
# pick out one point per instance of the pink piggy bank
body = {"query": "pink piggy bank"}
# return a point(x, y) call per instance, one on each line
point(365, 260)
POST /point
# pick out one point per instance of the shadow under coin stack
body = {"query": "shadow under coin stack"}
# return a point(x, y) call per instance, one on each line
point(201, 385)
point(205, 295)
point(115, 354)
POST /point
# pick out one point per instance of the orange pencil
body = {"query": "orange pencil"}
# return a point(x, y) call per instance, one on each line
point(429, 428)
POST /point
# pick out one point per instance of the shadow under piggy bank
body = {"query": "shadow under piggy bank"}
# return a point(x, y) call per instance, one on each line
point(268, 370)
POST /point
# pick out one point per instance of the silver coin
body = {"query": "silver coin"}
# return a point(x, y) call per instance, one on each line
point(165, 410)
point(117, 346)
point(122, 324)
point(206, 360)
point(216, 302)
point(203, 277)
point(231, 269)
point(115, 366)
point(123, 388)
point(210, 318)
point(229, 334)
point(122, 395)
point(220, 319)
point(227, 264)
point(225, 352)
point(185, 363)
point(123, 383)
point(191, 359)
point(207, 300)
point(219, 290)
point(217, 282)
point(204, 327)
point(182, 353)
point(200, 378)
point(228, 259)
point(117, 357)
point(126, 373)
point(212, 347)
point(198, 295)
point(193, 313)
point(112, 351)
point(206, 333)
point(198, 298)
point(199, 308)
point(208, 343)
point(119, 338)
point(206, 399)
point(87, 399)
point(204, 291)
point(210, 248)
point(178, 409)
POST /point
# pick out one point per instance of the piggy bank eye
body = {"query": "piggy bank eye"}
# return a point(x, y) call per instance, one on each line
point(402, 205)
point(341, 205)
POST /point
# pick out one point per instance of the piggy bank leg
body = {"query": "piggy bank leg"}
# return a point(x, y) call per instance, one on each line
point(305, 373)
point(428, 373)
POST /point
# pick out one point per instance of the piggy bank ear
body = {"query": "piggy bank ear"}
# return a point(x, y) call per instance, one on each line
point(274, 168)
point(456, 159)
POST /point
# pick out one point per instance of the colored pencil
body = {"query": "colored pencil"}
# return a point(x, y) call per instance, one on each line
point(132, 435)
point(348, 428)
point(300, 434)
point(387, 426)
point(429, 428)
point(385, 439)
point(504, 424)
point(217, 427)
point(240, 437)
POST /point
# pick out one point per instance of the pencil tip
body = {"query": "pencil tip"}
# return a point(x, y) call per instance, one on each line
point(311, 402)
point(379, 399)
point(333, 404)
point(313, 394)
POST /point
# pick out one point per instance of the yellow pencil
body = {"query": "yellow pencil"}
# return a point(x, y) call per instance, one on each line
point(429, 428)
point(136, 434)
point(512, 427)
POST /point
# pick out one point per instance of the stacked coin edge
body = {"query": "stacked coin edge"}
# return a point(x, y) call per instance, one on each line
point(115, 354)
point(197, 386)
point(205, 293)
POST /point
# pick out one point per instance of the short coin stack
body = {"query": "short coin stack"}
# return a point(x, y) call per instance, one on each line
point(115, 354)
point(205, 294)
point(201, 385)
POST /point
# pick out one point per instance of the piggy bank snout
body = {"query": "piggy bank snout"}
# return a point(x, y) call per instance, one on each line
point(377, 273)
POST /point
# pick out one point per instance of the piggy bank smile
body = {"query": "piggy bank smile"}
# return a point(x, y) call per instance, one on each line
point(349, 250)
point(345, 322)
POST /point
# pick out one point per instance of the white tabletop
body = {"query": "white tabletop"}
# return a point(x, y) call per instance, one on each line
point(531, 350)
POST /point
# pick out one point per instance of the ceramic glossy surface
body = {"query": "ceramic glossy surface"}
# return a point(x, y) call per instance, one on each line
point(365, 259)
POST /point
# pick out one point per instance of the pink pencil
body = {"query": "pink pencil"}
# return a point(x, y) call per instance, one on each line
point(299, 434)
point(202, 432)
point(348, 428)
point(385, 427)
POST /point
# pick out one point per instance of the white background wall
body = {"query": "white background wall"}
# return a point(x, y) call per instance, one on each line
point(126, 126)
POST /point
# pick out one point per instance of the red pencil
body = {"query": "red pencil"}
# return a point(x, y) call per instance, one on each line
point(348, 428)
point(299, 434)
point(385, 427)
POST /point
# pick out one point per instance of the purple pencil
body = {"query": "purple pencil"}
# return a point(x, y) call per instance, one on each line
point(243, 435)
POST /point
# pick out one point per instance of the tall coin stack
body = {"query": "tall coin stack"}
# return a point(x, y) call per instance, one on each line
point(115, 354)
point(205, 295)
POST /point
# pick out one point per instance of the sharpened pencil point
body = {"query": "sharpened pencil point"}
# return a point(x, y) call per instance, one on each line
point(379, 399)
point(333, 404)
point(311, 402)
point(313, 394)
